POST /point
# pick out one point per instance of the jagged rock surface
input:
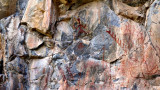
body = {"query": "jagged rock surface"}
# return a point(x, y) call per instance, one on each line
point(80, 45)
point(7, 8)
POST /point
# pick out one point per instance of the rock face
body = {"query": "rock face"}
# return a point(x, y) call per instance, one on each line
point(7, 8)
point(33, 40)
point(80, 44)
point(40, 15)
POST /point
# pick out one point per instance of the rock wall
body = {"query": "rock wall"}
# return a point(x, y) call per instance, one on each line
point(80, 45)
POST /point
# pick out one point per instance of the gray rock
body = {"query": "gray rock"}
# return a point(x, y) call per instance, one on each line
point(40, 52)
point(64, 34)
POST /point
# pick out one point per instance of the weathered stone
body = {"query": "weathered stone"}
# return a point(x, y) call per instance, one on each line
point(92, 71)
point(40, 73)
point(15, 37)
point(77, 48)
point(97, 45)
point(40, 52)
point(81, 23)
point(21, 7)
point(58, 73)
point(64, 34)
point(103, 47)
point(7, 8)
point(134, 2)
point(133, 13)
point(40, 14)
point(1, 48)
point(37, 67)
point(13, 27)
point(155, 81)
point(17, 65)
point(153, 24)
point(33, 40)
point(72, 4)
point(17, 72)
point(49, 42)
point(15, 81)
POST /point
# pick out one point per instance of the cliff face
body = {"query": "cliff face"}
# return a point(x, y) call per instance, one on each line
point(79, 44)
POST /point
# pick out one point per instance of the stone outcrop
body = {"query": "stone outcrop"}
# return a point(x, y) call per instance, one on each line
point(40, 15)
point(80, 45)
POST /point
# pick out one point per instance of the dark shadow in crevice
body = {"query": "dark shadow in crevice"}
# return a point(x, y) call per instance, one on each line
point(135, 3)
point(1, 67)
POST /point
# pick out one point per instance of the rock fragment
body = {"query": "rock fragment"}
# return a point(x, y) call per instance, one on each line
point(40, 15)
point(33, 40)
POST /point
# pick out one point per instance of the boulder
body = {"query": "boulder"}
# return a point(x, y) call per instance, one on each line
point(40, 15)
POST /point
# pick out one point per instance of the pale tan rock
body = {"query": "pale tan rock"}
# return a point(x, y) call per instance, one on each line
point(1, 47)
point(39, 72)
point(153, 25)
point(40, 14)
point(133, 13)
point(155, 36)
point(63, 1)
point(13, 27)
point(141, 59)
point(33, 40)
point(80, 66)
point(37, 67)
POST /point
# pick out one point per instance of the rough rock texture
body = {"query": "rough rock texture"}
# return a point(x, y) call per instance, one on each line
point(80, 45)
point(7, 8)
point(40, 14)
